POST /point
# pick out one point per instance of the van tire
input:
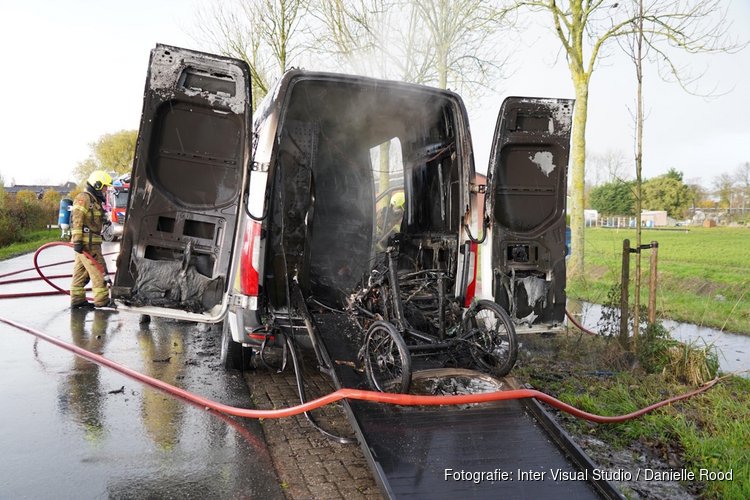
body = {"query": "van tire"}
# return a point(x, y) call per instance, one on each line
point(234, 356)
point(492, 338)
point(386, 358)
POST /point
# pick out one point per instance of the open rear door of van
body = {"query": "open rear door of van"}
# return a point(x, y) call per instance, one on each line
point(526, 205)
point(187, 186)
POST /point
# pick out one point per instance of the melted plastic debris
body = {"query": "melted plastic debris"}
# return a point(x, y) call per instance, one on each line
point(452, 386)
point(167, 284)
point(528, 319)
point(536, 290)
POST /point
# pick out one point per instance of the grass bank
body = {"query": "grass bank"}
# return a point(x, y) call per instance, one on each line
point(30, 243)
point(710, 431)
point(703, 274)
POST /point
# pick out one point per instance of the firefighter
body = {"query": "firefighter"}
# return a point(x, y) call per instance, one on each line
point(390, 219)
point(87, 221)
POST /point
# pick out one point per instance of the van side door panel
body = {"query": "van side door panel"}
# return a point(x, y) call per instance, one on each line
point(527, 202)
point(187, 183)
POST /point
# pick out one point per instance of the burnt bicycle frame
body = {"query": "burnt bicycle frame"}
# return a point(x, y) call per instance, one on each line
point(390, 289)
point(383, 294)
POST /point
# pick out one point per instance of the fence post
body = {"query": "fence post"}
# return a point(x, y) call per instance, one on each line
point(624, 333)
point(652, 283)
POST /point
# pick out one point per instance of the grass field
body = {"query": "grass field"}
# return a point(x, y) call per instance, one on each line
point(710, 431)
point(703, 273)
point(31, 242)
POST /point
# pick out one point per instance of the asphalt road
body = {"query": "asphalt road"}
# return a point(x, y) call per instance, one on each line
point(72, 429)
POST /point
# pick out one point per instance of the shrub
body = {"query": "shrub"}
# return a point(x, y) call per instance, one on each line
point(18, 217)
point(10, 232)
point(657, 351)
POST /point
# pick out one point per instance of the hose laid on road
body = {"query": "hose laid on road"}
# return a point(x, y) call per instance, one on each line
point(355, 394)
point(64, 244)
point(303, 397)
point(42, 276)
point(54, 243)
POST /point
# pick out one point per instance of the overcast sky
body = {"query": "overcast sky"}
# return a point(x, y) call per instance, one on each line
point(74, 70)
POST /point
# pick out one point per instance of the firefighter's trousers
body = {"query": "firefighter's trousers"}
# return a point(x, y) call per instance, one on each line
point(83, 270)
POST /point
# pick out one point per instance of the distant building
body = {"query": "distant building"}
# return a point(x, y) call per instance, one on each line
point(654, 218)
point(63, 189)
point(590, 217)
point(649, 218)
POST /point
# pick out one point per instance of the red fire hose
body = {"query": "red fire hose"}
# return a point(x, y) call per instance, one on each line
point(42, 276)
point(60, 243)
point(353, 394)
point(578, 324)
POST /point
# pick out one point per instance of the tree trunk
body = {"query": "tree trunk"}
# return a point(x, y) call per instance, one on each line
point(442, 67)
point(577, 176)
point(385, 166)
point(638, 58)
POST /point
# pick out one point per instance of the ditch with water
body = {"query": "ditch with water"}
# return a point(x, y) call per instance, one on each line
point(733, 349)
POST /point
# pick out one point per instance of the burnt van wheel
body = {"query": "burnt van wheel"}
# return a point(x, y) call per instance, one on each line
point(387, 360)
point(234, 356)
point(491, 336)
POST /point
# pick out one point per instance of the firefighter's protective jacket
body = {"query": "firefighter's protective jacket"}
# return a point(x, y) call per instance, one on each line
point(87, 220)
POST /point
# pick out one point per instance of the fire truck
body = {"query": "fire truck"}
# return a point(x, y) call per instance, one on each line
point(116, 206)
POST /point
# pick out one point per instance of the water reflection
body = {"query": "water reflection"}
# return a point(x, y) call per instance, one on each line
point(80, 394)
point(575, 309)
point(733, 349)
point(163, 352)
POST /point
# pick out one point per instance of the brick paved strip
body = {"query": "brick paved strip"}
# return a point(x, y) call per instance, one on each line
point(308, 464)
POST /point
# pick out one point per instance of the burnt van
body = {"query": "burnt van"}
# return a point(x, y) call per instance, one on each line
point(246, 217)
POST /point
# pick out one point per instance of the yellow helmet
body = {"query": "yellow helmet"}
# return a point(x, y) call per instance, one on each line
point(398, 199)
point(98, 179)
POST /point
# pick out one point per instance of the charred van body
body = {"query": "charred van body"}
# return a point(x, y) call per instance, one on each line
point(230, 221)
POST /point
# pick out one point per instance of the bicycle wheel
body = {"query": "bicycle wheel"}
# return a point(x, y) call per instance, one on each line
point(491, 337)
point(387, 360)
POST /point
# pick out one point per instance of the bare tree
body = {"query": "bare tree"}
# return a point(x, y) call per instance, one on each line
point(439, 42)
point(742, 178)
point(636, 46)
point(607, 167)
point(697, 193)
point(381, 38)
point(463, 36)
point(267, 34)
point(724, 188)
point(584, 28)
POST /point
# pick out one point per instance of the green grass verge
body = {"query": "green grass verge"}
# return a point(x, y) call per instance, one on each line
point(31, 242)
point(710, 431)
point(703, 274)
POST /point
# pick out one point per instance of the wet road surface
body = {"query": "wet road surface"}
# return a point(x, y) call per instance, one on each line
point(73, 429)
